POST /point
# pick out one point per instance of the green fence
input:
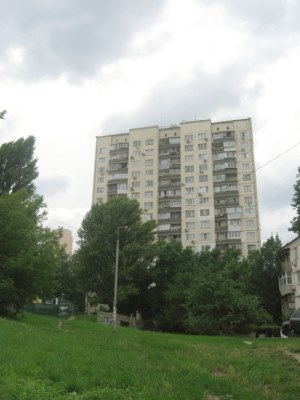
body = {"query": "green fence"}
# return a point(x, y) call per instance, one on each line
point(56, 310)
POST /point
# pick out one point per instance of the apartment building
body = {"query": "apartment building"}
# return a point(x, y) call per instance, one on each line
point(289, 280)
point(196, 179)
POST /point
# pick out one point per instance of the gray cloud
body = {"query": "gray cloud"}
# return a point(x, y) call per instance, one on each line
point(72, 37)
point(51, 185)
point(200, 98)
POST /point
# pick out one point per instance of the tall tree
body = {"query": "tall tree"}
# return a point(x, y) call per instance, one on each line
point(96, 255)
point(29, 253)
point(264, 269)
point(18, 167)
point(295, 227)
point(219, 299)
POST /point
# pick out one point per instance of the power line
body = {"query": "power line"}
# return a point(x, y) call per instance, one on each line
point(279, 155)
point(63, 223)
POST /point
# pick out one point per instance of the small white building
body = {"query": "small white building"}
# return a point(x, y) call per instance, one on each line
point(289, 280)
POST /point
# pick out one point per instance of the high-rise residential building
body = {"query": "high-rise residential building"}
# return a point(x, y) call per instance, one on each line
point(66, 240)
point(196, 179)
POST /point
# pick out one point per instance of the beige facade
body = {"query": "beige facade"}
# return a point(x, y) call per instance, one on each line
point(289, 280)
point(196, 179)
point(66, 240)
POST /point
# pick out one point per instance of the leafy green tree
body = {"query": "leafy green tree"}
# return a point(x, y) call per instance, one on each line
point(264, 269)
point(295, 227)
point(171, 276)
point(96, 255)
point(29, 253)
point(218, 299)
point(18, 167)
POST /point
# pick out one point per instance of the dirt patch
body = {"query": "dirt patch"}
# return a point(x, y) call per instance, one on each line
point(296, 356)
point(219, 373)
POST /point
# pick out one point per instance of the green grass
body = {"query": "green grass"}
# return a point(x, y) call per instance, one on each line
point(43, 358)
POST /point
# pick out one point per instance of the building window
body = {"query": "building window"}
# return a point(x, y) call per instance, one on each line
point(101, 170)
point(248, 200)
point(250, 236)
point(204, 212)
point(235, 222)
point(188, 147)
point(202, 168)
point(205, 236)
point(189, 168)
point(149, 163)
point(148, 205)
point(135, 174)
point(250, 223)
point(247, 188)
point(148, 183)
point(189, 202)
point(99, 200)
point(148, 217)
point(190, 213)
point(202, 136)
point(203, 156)
point(204, 200)
point(190, 225)
point(136, 143)
point(189, 158)
point(243, 135)
point(202, 146)
point(149, 172)
point(102, 160)
point(100, 190)
point(188, 137)
point(189, 190)
point(149, 194)
point(101, 150)
point(135, 195)
point(285, 278)
point(190, 236)
point(234, 235)
point(149, 152)
point(247, 177)
point(204, 224)
point(203, 178)
point(230, 143)
point(246, 166)
point(203, 189)
point(189, 179)
point(135, 184)
point(149, 142)
point(136, 164)
point(251, 247)
point(101, 179)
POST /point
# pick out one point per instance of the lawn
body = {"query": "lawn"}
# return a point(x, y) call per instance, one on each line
point(43, 358)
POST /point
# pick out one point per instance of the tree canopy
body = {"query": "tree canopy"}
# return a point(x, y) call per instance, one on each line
point(18, 167)
point(29, 253)
point(96, 255)
point(295, 223)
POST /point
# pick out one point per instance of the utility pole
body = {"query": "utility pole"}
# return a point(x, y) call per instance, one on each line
point(114, 316)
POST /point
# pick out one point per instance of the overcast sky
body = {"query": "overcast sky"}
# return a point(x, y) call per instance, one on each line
point(71, 70)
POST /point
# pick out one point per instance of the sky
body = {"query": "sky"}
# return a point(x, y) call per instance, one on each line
point(71, 70)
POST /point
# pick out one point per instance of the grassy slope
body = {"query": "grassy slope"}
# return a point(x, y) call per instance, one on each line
point(44, 359)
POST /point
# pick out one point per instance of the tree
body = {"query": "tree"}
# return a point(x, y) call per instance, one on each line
point(18, 167)
point(96, 255)
point(171, 276)
point(264, 269)
point(295, 227)
point(218, 299)
point(29, 253)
